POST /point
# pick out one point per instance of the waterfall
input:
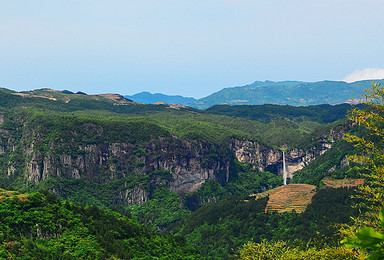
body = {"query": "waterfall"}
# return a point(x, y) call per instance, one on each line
point(284, 170)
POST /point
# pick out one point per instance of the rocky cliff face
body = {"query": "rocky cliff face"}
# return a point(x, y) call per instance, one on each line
point(270, 159)
point(186, 162)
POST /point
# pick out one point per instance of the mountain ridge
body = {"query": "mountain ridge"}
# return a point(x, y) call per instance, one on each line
point(288, 92)
point(294, 93)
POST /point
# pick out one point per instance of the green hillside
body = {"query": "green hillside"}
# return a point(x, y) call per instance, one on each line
point(316, 114)
point(40, 226)
point(215, 230)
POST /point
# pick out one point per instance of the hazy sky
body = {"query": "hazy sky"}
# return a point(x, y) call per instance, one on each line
point(191, 48)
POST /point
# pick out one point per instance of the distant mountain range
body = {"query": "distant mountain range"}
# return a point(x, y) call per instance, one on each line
point(294, 93)
point(149, 98)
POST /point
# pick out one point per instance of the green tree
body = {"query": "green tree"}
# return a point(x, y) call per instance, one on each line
point(367, 231)
point(371, 157)
point(282, 250)
point(369, 239)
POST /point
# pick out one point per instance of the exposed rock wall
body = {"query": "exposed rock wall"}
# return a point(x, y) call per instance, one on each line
point(185, 160)
point(270, 159)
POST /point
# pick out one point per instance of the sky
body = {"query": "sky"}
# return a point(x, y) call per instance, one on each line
point(189, 48)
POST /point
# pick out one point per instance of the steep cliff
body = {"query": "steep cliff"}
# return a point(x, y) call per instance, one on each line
point(185, 160)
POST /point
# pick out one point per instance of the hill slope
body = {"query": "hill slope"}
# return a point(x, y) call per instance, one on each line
point(216, 229)
point(40, 226)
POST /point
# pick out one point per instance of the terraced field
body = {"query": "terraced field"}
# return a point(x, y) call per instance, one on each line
point(343, 183)
point(291, 197)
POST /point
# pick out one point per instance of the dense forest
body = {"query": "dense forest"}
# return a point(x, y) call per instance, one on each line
point(217, 229)
point(39, 225)
point(102, 177)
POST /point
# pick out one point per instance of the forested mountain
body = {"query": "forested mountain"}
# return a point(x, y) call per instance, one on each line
point(217, 229)
point(41, 226)
point(160, 163)
point(294, 93)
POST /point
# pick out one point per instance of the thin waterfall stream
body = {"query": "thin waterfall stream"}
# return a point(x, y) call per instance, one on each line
point(284, 169)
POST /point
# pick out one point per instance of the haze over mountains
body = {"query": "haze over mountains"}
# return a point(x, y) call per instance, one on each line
point(295, 93)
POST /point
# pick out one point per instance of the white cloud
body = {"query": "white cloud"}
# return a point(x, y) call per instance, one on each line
point(368, 73)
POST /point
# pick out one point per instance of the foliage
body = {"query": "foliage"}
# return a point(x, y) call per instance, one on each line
point(332, 163)
point(215, 229)
point(371, 158)
point(283, 250)
point(164, 208)
point(368, 238)
point(93, 128)
point(42, 226)
point(104, 195)
point(244, 181)
point(221, 129)
point(320, 114)
point(249, 180)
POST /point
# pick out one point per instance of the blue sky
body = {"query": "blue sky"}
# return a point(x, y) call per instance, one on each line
point(191, 48)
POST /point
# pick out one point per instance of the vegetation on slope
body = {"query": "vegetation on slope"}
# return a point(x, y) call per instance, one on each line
point(332, 163)
point(244, 181)
point(295, 251)
point(166, 207)
point(221, 129)
point(40, 226)
point(216, 229)
point(370, 224)
point(271, 125)
point(370, 202)
point(318, 114)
